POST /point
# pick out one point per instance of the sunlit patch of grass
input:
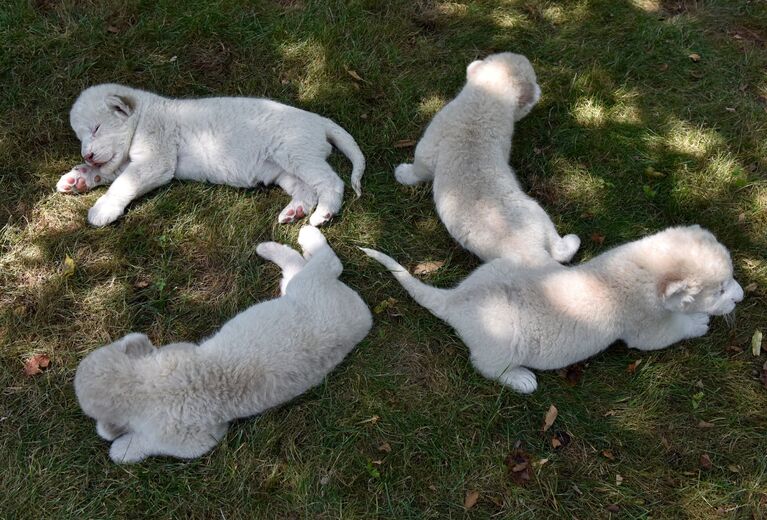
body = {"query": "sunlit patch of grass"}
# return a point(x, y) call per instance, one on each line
point(429, 107)
point(696, 141)
point(589, 112)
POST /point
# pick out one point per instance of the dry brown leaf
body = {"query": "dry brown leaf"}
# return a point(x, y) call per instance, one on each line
point(353, 74)
point(694, 57)
point(608, 454)
point(756, 343)
point(551, 416)
point(560, 440)
point(572, 374)
point(141, 283)
point(751, 287)
point(113, 29)
point(598, 238)
point(613, 508)
point(633, 366)
point(385, 447)
point(428, 267)
point(471, 499)
point(663, 67)
point(705, 462)
point(405, 143)
point(704, 424)
point(36, 364)
point(518, 464)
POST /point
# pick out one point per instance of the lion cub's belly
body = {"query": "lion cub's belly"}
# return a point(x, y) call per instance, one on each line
point(205, 158)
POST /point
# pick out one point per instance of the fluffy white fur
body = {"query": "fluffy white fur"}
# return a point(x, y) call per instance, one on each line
point(138, 141)
point(649, 293)
point(465, 151)
point(177, 400)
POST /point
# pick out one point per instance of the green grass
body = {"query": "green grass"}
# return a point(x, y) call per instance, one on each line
point(620, 95)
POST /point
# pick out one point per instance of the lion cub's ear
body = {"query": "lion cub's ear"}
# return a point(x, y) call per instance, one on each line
point(472, 68)
point(677, 293)
point(137, 345)
point(121, 106)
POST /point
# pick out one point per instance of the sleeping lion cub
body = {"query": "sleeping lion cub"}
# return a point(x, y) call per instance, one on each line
point(465, 151)
point(138, 141)
point(649, 293)
point(178, 399)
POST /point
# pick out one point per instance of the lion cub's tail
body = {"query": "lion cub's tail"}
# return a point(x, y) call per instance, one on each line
point(346, 143)
point(430, 297)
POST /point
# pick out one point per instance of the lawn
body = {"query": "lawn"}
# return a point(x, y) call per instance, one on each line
point(654, 113)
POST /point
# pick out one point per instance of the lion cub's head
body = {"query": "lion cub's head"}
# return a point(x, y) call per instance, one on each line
point(106, 382)
point(103, 117)
point(694, 271)
point(507, 75)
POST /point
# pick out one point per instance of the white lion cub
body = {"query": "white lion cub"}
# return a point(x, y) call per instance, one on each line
point(177, 400)
point(649, 293)
point(465, 150)
point(138, 141)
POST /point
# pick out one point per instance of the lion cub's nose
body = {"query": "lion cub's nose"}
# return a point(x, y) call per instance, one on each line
point(88, 157)
point(738, 297)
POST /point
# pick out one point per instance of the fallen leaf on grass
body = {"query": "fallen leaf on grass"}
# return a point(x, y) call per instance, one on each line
point(36, 364)
point(695, 57)
point(653, 173)
point(405, 143)
point(733, 468)
point(428, 267)
point(663, 67)
point(387, 305)
point(141, 283)
point(353, 74)
point(518, 464)
point(113, 29)
point(618, 480)
point(69, 267)
point(560, 440)
point(471, 499)
point(551, 416)
point(705, 462)
point(633, 366)
point(751, 287)
point(756, 342)
point(572, 374)
point(598, 238)
point(385, 447)
point(613, 508)
point(372, 420)
point(704, 424)
point(696, 399)
point(608, 454)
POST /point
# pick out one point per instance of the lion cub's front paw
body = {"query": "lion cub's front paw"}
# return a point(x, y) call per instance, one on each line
point(80, 179)
point(404, 174)
point(520, 380)
point(697, 324)
point(311, 239)
point(103, 213)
